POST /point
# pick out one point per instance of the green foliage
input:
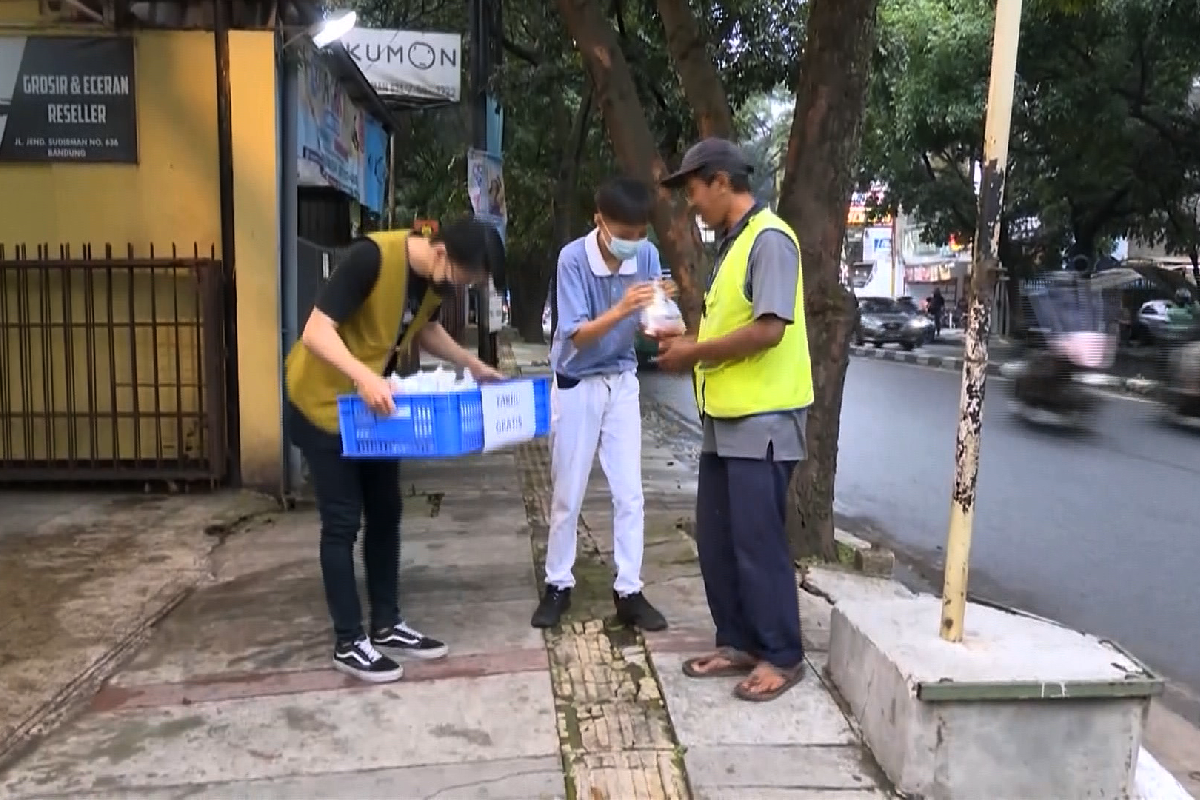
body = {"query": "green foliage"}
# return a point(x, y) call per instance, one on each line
point(756, 45)
point(924, 121)
point(763, 124)
point(541, 85)
point(1103, 138)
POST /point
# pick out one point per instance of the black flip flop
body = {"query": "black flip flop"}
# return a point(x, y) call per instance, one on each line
point(739, 664)
point(790, 678)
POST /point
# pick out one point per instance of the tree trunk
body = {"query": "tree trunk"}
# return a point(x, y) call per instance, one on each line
point(529, 286)
point(822, 151)
point(697, 73)
point(633, 144)
point(564, 190)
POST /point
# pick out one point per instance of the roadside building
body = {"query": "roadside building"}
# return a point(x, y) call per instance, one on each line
point(160, 164)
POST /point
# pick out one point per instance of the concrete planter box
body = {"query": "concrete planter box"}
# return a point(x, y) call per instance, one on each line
point(1023, 708)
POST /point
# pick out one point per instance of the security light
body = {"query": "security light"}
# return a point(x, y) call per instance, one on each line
point(334, 28)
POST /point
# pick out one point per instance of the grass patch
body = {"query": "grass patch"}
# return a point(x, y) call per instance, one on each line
point(571, 739)
point(846, 555)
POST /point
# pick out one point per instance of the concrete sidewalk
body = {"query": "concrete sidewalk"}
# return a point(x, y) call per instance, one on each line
point(83, 577)
point(232, 696)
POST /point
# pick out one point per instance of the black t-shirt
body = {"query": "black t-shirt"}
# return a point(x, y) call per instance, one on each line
point(344, 293)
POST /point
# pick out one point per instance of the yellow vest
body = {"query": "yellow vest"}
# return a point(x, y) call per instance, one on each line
point(778, 379)
point(370, 333)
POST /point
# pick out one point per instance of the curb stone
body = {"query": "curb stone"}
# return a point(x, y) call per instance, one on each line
point(1004, 369)
point(867, 559)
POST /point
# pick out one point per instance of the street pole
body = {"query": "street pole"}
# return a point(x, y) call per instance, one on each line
point(390, 215)
point(482, 49)
point(984, 268)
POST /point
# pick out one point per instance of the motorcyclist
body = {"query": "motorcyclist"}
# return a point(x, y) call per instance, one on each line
point(1076, 341)
point(1184, 374)
point(937, 307)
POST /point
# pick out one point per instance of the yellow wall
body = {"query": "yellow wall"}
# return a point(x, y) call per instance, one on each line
point(256, 207)
point(170, 198)
point(22, 13)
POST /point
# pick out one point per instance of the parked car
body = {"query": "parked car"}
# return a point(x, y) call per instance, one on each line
point(909, 305)
point(882, 320)
point(1165, 322)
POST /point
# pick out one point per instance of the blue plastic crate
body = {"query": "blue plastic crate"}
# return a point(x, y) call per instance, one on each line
point(426, 425)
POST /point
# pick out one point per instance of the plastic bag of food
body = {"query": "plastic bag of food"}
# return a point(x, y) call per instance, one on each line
point(662, 317)
point(439, 381)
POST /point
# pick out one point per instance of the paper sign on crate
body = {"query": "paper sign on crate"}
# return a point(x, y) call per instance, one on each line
point(509, 414)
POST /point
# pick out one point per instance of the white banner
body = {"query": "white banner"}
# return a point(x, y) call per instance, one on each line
point(408, 63)
point(509, 413)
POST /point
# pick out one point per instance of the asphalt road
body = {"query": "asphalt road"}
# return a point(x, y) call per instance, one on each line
point(1101, 532)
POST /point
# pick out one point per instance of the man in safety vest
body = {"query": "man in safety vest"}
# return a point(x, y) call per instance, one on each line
point(753, 385)
point(381, 298)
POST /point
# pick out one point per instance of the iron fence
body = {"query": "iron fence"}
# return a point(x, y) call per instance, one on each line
point(112, 367)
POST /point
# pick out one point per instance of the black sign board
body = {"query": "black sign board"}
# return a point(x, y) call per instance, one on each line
point(67, 98)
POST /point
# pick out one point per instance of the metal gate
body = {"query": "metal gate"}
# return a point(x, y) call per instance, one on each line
point(111, 368)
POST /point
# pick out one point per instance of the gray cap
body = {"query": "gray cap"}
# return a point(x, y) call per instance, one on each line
point(711, 155)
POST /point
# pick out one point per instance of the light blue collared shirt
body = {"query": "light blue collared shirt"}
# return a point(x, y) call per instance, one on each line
point(586, 289)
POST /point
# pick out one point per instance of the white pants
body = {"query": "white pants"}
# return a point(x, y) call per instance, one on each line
point(599, 413)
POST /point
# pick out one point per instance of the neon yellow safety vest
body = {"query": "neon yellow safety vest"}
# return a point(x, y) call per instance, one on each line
point(778, 379)
point(313, 385)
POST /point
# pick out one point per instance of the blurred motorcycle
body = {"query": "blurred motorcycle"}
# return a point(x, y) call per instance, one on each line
point(1180, 396)
point(1078, 318)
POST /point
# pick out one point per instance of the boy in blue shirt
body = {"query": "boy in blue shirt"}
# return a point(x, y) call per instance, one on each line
point(604, 280)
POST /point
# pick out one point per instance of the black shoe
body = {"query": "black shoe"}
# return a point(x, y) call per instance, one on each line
point(553, 605)
point(402, 640)
point(635, 611)
point(360, 659)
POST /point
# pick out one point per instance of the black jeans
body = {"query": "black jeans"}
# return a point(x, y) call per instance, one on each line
point(749, 577)
point(350, 491)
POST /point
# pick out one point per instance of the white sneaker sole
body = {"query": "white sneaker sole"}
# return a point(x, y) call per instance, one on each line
point(395, 651)
point(370, 677)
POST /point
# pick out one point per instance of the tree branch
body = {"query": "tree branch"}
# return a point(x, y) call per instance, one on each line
point(520, 51)
point(964, 221)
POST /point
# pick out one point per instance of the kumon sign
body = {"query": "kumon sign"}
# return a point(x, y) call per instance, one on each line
point(408, 63)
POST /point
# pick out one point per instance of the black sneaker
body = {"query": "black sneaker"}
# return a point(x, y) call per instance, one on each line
point(553, 605)
point(360, 659)
point(635, 611)
point(402, 640)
